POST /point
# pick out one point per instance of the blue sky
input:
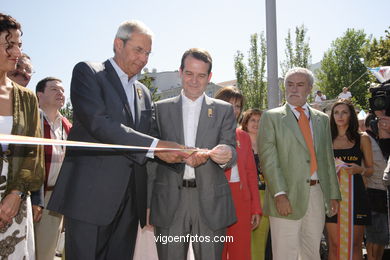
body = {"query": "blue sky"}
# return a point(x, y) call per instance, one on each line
point(58, 34)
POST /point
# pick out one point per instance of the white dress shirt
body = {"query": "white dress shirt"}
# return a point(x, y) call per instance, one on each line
point(191, 113)
point(57, 132)
point(234, 176)
point(128, 85)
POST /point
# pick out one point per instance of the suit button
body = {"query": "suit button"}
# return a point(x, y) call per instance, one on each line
point(308, 161)
point(179, 187)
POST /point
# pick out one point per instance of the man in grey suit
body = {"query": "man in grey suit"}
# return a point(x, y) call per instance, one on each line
point(102, 193)
point(193, 199)
point(295, 148)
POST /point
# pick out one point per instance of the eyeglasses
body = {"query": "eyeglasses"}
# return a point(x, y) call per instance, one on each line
point(24, 68)
point(139, 50)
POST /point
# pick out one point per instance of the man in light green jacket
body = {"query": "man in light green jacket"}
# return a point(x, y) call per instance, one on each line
point(299, 171)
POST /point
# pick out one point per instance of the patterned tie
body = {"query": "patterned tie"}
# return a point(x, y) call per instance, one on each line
point(304, 125)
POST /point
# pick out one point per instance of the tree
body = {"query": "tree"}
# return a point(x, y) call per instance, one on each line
point(298, 54)
point(241, 72)
point(377, 52)
point(250, 78)
point(341, 67)
point(148, 82)
point(67, 111)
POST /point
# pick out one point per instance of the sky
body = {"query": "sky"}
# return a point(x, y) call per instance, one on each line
point(59, 34)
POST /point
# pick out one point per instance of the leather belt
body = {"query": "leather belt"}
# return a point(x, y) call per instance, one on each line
point(189, 183)
point(314, 182)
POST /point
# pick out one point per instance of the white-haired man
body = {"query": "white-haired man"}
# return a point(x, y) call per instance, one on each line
point(102, 193)
point(295, 148)
point(23, 71)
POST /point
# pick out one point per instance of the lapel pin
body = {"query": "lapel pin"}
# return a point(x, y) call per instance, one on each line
point(210, 112)
point(139, 92)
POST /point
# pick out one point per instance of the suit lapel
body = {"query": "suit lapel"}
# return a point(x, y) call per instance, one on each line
point(291, 123)
point(207, 115)
point(176, 115)
point(117, 85)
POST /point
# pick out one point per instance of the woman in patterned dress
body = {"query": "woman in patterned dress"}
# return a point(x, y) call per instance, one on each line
point(21, 166)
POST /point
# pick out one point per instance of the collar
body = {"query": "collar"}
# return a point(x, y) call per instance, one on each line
point(121, 74)
point(296, 113)
point(188, 101)
point(58, 117)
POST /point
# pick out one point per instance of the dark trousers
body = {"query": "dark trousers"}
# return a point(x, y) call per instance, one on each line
point(86, 241)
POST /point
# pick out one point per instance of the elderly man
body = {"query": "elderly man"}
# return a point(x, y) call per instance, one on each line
point(296, 156)
point(22, 73)
point(102, 193)
point(345, 93)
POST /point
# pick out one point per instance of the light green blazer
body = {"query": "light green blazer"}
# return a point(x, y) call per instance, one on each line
point(285, 160)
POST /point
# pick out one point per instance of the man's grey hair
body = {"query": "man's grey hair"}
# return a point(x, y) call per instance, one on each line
point(298, 70)
point(128, 27)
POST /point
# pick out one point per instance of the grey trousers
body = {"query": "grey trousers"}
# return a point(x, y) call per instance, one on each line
point(173, 242)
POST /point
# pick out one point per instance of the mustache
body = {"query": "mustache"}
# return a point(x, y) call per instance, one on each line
point(294, 94)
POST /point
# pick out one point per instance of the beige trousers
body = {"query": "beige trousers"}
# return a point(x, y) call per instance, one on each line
point(300, 239)
point(47, 232)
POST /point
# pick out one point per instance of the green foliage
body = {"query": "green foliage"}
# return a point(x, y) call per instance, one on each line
point(298, 53)
point(67, 111)
point(341, 67)
point(148, 82)
point(250, 78)
point(377, 53)
point(241, 71)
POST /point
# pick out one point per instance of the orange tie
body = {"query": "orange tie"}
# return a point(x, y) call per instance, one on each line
point(304, 125)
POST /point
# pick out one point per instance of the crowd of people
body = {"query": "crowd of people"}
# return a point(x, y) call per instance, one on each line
point(204, 167)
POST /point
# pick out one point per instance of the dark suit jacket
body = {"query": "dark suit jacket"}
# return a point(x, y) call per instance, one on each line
point(92, 183)
point(216, 126)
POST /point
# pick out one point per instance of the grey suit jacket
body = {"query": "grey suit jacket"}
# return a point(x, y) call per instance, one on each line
point(285, 159)
point(92, 183)
point(216, 126)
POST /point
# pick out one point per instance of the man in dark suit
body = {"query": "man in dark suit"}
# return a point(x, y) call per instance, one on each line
point(195, 200)
point(102, 193)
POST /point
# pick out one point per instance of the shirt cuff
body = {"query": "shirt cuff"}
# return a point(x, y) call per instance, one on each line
point(280, 193)
point(222, 165)
point(150, 153)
